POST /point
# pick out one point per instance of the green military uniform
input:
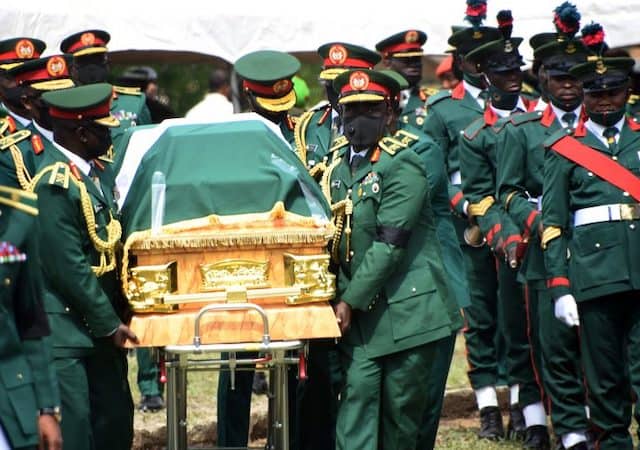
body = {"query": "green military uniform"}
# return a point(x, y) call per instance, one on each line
point(317, 128)
point(129, 106)
point(266, 77)
point(449, 112)
point(27, 385)
point(83, 297)
point(520, 188)
point(586, 228)
point(390, 273)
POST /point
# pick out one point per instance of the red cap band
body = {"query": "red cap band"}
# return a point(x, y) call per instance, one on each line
point(95, 112)
point(403, 47)
point(348, 63)
point(97, 42)
point(279, 88)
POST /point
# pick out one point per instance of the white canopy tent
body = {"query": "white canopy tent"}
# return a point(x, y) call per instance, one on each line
point(230, 29)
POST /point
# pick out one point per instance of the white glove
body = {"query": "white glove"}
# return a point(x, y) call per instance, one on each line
point(566, 310)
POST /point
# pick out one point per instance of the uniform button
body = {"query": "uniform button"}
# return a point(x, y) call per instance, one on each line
point(370, 307)
point(413, 289)
point(625, 193)
point(461, 131)
point(615, 158)
point(19, 376)
point(632, 226)
point(590, 174)
point(597, 244)
point(351, 253)
point(66, 309)
point(7, 281)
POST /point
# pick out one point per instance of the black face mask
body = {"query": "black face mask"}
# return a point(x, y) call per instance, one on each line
point(44, 119)
point(91, 73)
point(502, 99)
point(608, 118)
point(564, 106)
point(103, 135)
point(13, 98)
point(364, 131)
point(474, 79)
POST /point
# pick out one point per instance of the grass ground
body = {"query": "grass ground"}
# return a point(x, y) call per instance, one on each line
point(455, 434)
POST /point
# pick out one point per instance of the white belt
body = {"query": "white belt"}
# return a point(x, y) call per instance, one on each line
point(456, 178)
point(606, 213)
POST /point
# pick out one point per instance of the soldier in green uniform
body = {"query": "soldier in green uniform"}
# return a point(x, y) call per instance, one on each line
point(500, 61)
point(29, 398)
point(13, 116)
point(91, 65)
point(452, 260)
point(520, 184)
point(391, 285)
point(33, 78)
point(590, 214)
point(448, 113)
point(317, 128)
point(403, 52)
point(83, 297)
point(267, 82)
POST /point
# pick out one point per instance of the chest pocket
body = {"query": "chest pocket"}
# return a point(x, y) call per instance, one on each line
point(366, 197)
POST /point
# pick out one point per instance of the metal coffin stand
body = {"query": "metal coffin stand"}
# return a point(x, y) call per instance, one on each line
point(178, 363)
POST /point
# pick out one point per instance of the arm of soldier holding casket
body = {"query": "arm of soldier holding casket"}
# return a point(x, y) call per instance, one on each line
point(556, 219)
point(403, 194)
point(67, 266)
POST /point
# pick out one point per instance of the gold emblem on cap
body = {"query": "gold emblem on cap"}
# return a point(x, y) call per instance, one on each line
point(570, 48)
point(338, 54)
point(25, 49)
point(56, 66)
point(282, 86)
point(88, 39)
point(600, 67)
point(477, 35)
point(411, 36)
point(359, 81)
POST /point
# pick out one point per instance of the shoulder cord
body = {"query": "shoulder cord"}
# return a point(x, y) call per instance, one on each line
point(24, 177)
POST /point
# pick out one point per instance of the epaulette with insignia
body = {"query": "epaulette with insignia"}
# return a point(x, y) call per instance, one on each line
point(474, 128)
point(432, 100)
point(19, 199)
point(633, 99)
point(127, 90)
point(338, 143)
point(430, 91)
point(14, 138)
point(4, 125)
point(59, 175)
point(406, 138)
point(518, 119)
point(391, 145)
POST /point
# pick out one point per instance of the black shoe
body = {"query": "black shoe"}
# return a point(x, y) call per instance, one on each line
point(491, 424)
point(260, 385)
point(516, 428)
point(579, 446)
point(537, 438)
point(151, 403)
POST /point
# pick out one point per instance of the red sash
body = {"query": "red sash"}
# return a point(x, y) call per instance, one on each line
point(600, 164)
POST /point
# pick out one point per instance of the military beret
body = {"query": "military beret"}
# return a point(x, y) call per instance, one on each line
point(44, 74)
point(17, 50)
point(403, 45)
point(559, 56)
point(268, 74)
point(86, 43)
point(601, 74)
point(88, 102)
point(365, 85)
point(339, 57)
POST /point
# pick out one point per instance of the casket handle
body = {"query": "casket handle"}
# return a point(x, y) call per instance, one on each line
point(266, 339)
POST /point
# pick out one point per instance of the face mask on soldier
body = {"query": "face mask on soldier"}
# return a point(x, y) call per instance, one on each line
point(364, 123)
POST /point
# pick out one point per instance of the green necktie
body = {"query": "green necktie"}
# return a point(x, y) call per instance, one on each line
point(609, 134)
point(569, 118)
point(355, 162)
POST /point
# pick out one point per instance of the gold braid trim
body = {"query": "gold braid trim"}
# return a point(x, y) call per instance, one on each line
point(509, 198)
point(105, 248)
point(23, 175)
point(481, 208)
point(299, 133)
point(325, 182)
point(548, 235)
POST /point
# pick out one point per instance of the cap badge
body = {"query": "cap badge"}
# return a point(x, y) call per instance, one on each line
point(337, 54)
point(600, 67)
point(282, 86)
point(411, 37)
point(56, 66)
point(508, 47)
point(359, 81)
point(25, 49)
point(87, 39)
point(570, 49)
point(477, 35)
